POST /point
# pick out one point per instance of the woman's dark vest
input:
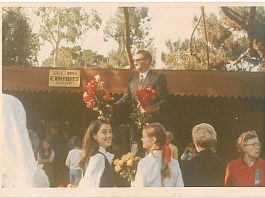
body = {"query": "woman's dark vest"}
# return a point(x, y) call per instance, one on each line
point(106, 179)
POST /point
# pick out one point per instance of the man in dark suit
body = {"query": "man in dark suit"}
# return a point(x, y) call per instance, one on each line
point(147, 77)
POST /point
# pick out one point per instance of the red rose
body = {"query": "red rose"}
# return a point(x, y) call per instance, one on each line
point(96, 98)
point(146, 96)
point(107, 97)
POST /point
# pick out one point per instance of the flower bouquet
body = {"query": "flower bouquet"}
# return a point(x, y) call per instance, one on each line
point(145, 97)
point(97, 99)
point(126, 166)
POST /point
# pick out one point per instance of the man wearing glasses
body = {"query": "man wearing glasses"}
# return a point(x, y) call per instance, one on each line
point(147, 77)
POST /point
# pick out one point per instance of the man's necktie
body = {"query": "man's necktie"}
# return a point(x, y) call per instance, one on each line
point(141, 81)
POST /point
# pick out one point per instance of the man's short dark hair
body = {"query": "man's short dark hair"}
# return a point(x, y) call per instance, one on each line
point(146, 55)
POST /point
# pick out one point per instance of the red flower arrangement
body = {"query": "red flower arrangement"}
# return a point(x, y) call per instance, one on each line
point(145, 97)
point(97, 99)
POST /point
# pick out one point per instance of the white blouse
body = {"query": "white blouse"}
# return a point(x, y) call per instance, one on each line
point(73, 158)
point(148, 172)
point(95, 169)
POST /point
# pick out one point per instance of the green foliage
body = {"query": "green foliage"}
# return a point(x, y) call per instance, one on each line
point(59, 24)
point(139, 33)
point(176, 51)
point(249, 21)
point(216, 32)
point(19, 45)
point(92, 59)
point(118, 58)
point(227, 41)
point(75, 57)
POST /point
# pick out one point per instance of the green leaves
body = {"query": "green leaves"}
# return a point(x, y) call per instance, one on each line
point(59, 24)
point(229, 36)
point(76, 57)
point(19, 44)
point(139, 23)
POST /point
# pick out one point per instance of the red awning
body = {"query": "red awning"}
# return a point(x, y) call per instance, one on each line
point(189, 83)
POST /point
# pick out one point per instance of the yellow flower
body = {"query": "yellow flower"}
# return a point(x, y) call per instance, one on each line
point(115, 161)
point(120, 163)
point(131, 156)
point(126, 166)
point(117, 168)
point(124, 158)
point(130, 162)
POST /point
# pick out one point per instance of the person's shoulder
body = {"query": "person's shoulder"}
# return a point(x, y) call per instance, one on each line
point(235, 163)
point(72, 151)
point(191, 161)
point(98, 155)
point(133, 79)
point(157, 75)
point(10, 101)
point(97, 158)
point(147, 159)
point(197, 160)
point(156, 72)
point(7, 97)
point(262, 162)
point(79, 150)
point(172, 146)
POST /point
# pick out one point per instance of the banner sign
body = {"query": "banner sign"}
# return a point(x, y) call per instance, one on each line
point(64, 78)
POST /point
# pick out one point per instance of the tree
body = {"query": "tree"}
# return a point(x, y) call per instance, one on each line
point(228, 46)
point(92, 59)
point(75, 57)
point(251, 21)
point(176, 49)
point(65, 24)
point(19, 45)
point(137, 36)
point(118, 58)
point(128, 39)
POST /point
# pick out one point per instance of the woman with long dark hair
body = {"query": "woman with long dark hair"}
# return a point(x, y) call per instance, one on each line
point(45, 157)
point(157, 168)
point(95, 159)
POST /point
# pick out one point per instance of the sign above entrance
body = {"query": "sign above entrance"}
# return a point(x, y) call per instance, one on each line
point(64, 78)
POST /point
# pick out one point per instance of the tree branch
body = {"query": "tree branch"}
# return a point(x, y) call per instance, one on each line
point(251, 26)
point(242, 55)
point(206, 39)
point(191, 36)
point(232, 15)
